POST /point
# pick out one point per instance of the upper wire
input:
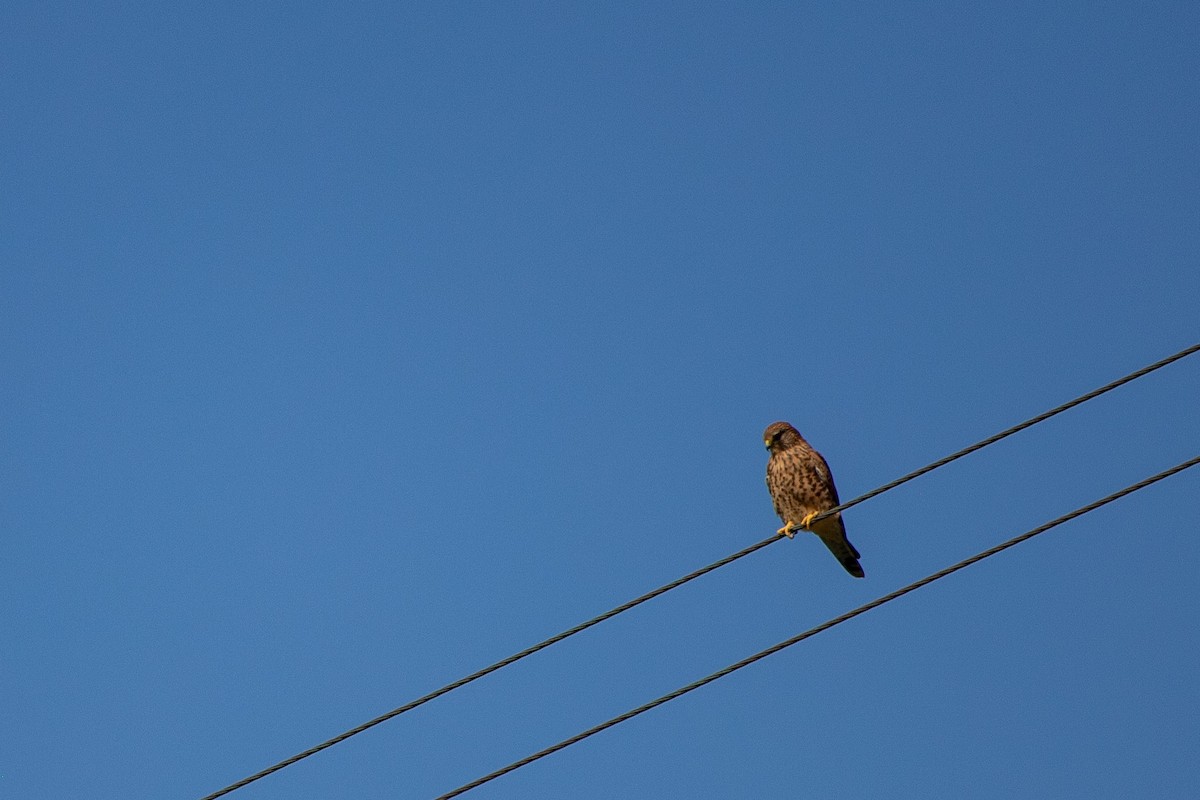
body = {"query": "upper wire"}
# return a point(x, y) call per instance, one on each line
point(693, 575)
point(887, 598)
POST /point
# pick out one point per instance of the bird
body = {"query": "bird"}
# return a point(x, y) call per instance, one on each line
point(801, 487)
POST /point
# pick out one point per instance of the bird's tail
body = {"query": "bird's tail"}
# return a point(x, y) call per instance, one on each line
point(841, 548)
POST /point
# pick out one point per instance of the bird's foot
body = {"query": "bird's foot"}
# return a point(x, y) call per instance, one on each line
point(788, 530)
point(807, 521)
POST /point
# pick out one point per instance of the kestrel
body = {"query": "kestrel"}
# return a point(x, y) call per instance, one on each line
point(802, 487)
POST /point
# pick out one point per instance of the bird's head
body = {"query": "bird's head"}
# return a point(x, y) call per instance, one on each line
point(780, 436)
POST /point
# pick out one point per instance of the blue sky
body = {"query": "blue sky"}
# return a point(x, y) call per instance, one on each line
point(349, 348)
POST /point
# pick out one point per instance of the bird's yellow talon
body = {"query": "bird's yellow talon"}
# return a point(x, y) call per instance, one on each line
point(808, 518)
point(788, 530)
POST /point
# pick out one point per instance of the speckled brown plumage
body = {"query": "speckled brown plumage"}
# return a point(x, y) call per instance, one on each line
point(802, 486)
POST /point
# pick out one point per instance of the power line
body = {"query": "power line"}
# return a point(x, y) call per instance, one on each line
point(692, 576)
point(887, 598)
point(1014, 429)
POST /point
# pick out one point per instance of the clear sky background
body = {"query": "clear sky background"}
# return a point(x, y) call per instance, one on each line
point(349, 348)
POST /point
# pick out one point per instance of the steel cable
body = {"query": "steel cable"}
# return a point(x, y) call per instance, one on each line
point(693, 575)
point(887, 598)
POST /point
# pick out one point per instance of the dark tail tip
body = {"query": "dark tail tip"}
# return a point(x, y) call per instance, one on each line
point(853, 567)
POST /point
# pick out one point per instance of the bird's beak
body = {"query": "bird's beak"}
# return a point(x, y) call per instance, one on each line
point(767, 443)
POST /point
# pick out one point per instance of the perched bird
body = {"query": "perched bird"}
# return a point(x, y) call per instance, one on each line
point(802, 487)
